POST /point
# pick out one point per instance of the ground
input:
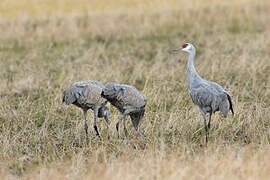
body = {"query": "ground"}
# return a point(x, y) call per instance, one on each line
point(45, 46)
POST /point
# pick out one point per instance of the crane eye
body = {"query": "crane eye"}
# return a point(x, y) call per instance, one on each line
point(184, 45)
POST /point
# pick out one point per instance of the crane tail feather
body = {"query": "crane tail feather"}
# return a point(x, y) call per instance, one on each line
point(230, 102)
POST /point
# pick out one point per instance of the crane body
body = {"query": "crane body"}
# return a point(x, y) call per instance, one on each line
point(128, 100)
point(87, 95)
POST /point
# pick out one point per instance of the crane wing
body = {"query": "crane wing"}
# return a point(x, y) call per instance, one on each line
point(132, 97)
point(86, 93)
point(92, 95)
point(122, 95)
point(206, 94)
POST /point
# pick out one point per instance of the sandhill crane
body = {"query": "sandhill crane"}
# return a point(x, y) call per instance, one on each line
point(87, 95)
point(129, 101)
point(209, 96)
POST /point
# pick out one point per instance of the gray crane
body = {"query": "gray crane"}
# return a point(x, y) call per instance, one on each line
point(209, 96)
point(129, 101)
point(87, 95)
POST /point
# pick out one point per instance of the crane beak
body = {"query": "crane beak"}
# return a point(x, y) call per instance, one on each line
point(175, 51)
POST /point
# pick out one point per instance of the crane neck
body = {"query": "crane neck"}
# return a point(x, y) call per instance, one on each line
point(192, 74)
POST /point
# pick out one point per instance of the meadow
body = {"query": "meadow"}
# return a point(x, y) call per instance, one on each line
point(47, 45)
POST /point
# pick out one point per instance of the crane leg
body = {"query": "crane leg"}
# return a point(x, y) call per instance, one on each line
point(117, 129)
point(95, 122)
point(107, 125)
point(209, 122)
point(121, 119)
point(117, 125)
point(206, 130)
point(125, 128)
point(85, 123)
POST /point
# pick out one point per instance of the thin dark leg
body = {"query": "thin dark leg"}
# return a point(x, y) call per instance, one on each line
point(206, 130)
point(121, 119)
point(125, 128)
point(209, 122)
point(106, 118)
point(107, 124)
point(95, 122)
point(117, 129)
point(96, 129)
point(85, 122)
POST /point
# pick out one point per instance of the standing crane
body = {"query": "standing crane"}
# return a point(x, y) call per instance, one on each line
point(209, 96)
point(87, 95)
point(129, 101)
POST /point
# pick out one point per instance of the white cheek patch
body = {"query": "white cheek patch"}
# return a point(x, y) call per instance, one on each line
point(186, 48)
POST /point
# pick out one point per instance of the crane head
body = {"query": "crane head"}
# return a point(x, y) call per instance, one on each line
point(187, 47)
point(104, 112)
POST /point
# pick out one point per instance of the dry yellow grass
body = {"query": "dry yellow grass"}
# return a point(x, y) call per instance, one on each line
point(44, 8)
point(46, 45)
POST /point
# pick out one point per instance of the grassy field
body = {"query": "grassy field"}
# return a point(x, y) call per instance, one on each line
point(47, 45)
